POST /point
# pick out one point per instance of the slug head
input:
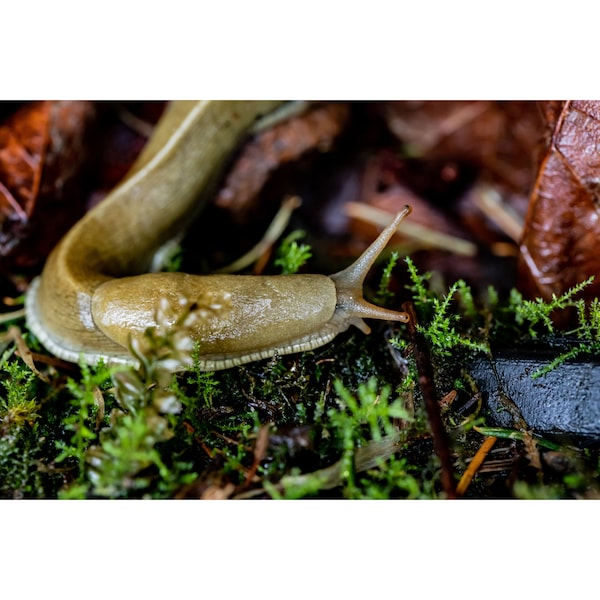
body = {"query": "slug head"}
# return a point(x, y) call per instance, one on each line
point(351, 307)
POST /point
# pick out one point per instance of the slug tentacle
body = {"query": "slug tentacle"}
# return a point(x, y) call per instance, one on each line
point(94, 294)
point(351, 306)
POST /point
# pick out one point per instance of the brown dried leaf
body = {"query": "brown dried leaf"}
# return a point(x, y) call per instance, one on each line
point(41, 152)
point(315, 129)
point(382, 186)
point(559, 245)
point(500, 138)
point(23, 144)
point(14, 335)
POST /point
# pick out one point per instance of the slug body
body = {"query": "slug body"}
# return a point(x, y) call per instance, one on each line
point(96, 292)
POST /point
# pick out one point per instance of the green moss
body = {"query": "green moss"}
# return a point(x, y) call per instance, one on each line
point(291, 255)
point(344, 420)
point(384, 296)
point(18, 406)
point(84, 421)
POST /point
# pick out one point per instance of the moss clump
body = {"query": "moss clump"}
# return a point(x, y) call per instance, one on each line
point(345, 420)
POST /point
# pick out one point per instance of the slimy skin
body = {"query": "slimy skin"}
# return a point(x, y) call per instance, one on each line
point(95, 292)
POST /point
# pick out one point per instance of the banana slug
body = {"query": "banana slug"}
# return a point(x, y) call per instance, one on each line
point(95, 290)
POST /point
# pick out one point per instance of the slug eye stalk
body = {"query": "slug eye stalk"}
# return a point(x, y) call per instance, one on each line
point(349, 282)
point(94, 295)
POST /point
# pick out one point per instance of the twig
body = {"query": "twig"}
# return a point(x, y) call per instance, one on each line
point(260, 451)
point(474, 465)
point(490, 203)
point(12, 316)
point(277, 227)
point(424, 236)
point(135, 123)
point(441, 444)
point(366, 457)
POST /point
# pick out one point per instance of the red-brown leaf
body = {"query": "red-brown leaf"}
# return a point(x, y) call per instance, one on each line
point(314, 130)
point(499, 138)
point(559, 246)
point(23, 143)
point(42, 149)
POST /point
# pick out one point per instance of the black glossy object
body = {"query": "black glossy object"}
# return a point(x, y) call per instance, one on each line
point(564, 403)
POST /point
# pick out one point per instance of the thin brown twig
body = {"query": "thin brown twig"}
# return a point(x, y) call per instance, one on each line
point(260, 451)
point(441, 443)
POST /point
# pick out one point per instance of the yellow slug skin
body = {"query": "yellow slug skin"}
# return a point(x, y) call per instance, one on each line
point(264, 312)
point(95, 291)
point(160, 195)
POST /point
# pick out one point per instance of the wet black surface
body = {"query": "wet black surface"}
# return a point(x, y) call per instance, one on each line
point(564, 403)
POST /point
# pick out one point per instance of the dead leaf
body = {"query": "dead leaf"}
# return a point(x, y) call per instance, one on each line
point(316, 129)
point(500, 139)
point(559, 246)
point(23, 144)
point(42, 150)
point(14, 335)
